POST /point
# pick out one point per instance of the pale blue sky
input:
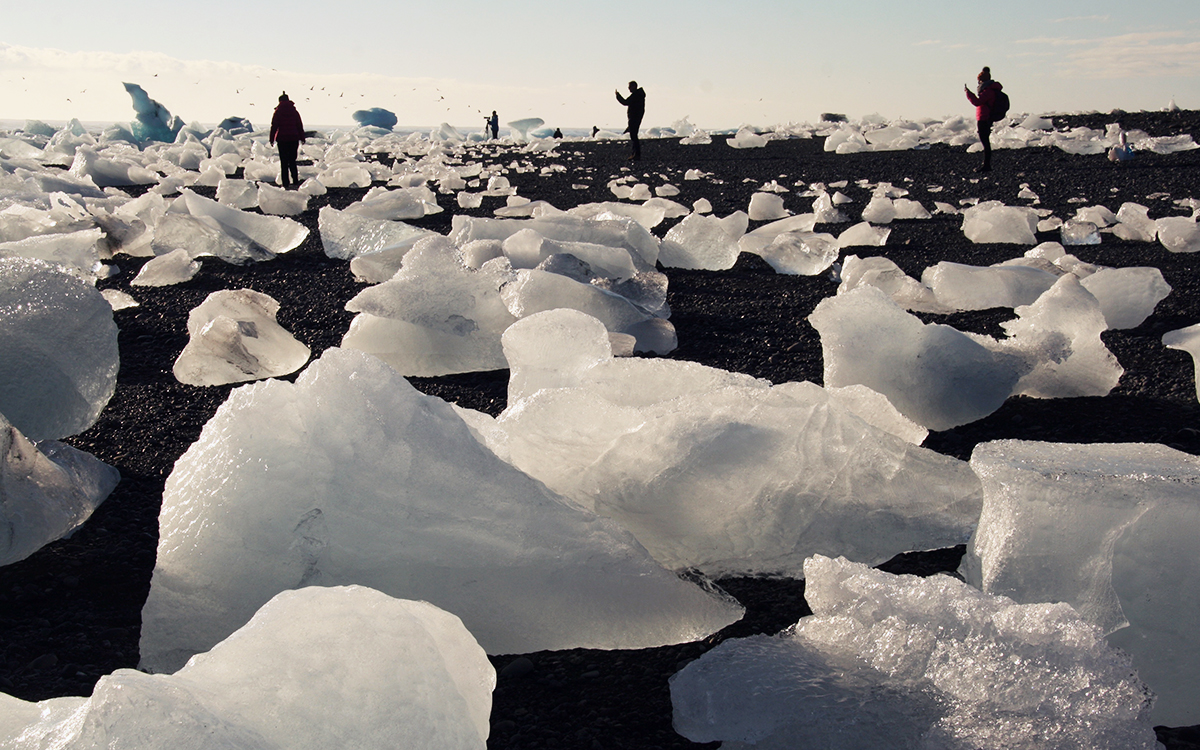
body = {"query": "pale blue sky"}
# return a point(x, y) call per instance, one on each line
point(719, 62)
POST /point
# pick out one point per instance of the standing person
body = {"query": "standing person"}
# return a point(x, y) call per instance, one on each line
point(983, 99)
point(493, 124)
point(288, 130)
point(635, 103)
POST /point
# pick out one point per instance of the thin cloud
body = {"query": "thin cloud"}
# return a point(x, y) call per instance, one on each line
point(927, 42)
point(1081, 19)
point(1135, 55)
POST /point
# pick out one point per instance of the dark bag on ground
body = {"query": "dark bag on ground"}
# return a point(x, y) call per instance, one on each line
point(999, 107)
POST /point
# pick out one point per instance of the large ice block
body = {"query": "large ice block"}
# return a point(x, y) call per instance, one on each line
point(350, 475)
point(59, 361)
point(317, 668)
point(715, 470)
point(1111, 530)
point(911, 663)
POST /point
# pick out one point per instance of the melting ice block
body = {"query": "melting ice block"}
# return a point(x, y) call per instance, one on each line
point(352, 476)
point(76, 251)
point(934, 374)
point(992, 221)
point(766, 207)
point(435, 316)
point(1188, 340)
point(962, 287)
point(1179, 234)
point(613, 231)
point(700, 241)
point(46, 490)
point(1127, 296)
point(347, 236)
point(1111, 530)
point(280, 202)
point(233, 337)
point(714, 470)
point(275, 234)
point(59, 343)
point(316, 668)
point(175, 267)
point(911, 663)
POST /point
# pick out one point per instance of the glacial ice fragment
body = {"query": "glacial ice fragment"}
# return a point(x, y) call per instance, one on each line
point(1179, 234)
point(1133, 512)
point(1188, 340)
point(47, 489)
point(375, 117)
point(233, 337)
point(906, 663)
point(766, 207)
point(350, 475)
point(275, 234)
point(934, 374)
point(1127, 296)
point(175, 267)
point(993, 222)
point(699, 241)
point(714, 470)
point(59, 344)
point(321, 667)
point(153, 122)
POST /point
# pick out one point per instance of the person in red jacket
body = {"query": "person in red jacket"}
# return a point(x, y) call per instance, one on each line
point(288, 130)
point(983, 100)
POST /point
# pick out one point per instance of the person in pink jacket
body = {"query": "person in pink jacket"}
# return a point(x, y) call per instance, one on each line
point(983, 99)
point(288, 130)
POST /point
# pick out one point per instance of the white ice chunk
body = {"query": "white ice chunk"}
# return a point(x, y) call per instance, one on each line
point(883, 274)
point(911, 663)
point(237, 193)
point(59, 344)
point(1133, 515)
point(863, 234)
point(435, 316)
point(112, 168)
point(47, 489)
point(345, 235)
point(1127, 296)
point(1187, 340)
point(994, 222)
point(801, 253)
point(275, 234)
point(715, 470)
point(934, 374)
point(175, 267)
point(875, 409)
point(614, 231)
point(1075, 231)
point(75, 251)
point(766, 207)
point(233, 337)
point(699, 241)
point(961, 287)
point(1179, 234)
point(909, 209)
point(826, 211)
point(395, 205)
point(280, 202)
point(1058, 337)
point(879, 211)
point(1134, 223)
point(118, 300)
point(350, 475)
point(649, 216)
point(747, 138)
point(341, 666)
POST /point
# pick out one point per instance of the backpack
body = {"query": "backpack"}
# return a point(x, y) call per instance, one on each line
point(999, 106)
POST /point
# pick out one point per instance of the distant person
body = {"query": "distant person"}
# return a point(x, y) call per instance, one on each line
point(493, 124)
point(635, 103)
point(558, 133)
point(984, 99)
point(288, 130)
point(595, 130)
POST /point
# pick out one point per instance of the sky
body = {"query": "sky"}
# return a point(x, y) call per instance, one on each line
point(719, 63)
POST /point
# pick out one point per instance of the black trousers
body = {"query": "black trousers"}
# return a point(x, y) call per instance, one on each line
point(287, 163)
point(634, 127)
point(985, 137)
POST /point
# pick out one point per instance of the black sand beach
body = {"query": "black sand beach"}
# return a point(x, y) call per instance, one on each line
point(71, 613)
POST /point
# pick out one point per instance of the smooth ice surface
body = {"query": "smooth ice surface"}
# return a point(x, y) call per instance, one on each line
point(914, 664)
point(715, 470)
point(346, 235)
point(1111, 530)
point(275, 234)
point(612, 231)
point(766, 207)
point(175, 267)
point(883, 274)
point(77, 251)
point(1188, 340)
point(280, 202)
point(957, 286)
point(153, 122)
point(435, 316)
point(46, 490)
point(350, 475)
point(1127, 296)
point(375, 117)
point(864, 234)
point(59, 343)
point(934, 374)
point(700, 241)
point(1179, 234)
point(992, 221)
point(316, 668)
point(233, 337)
